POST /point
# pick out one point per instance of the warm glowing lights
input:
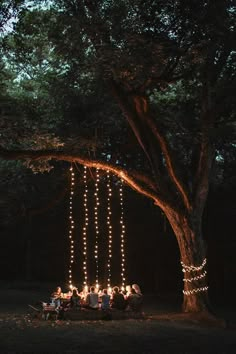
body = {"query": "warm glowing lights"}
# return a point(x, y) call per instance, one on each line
point(109, 226)
point(192, 268)
point(96, 250)
point(85, 227)
point(196, 290)
point(122, 234)
point(72, 183)
point(97, 239)
point(198, 277)
point(86, 288)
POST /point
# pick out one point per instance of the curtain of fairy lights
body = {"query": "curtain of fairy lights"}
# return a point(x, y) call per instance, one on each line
point(72, 184)
point(96, 207)
point(85, 228)
point(122, 234)
point(109, 225)
point(96, 222)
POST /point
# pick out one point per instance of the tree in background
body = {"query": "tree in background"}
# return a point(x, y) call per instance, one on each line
point(168, 66)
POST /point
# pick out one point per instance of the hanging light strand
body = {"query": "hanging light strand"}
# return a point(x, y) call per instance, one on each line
point(71, 222)
point(96, 250)
point(86, 219)
point(122, 234)
point(109, 226)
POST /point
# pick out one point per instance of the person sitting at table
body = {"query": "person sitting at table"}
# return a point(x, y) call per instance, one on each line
point(56, 297)
point(128, 290)
point(135, 301)
point(118, 300)
point(137, 289)
point(105, 304)
point(92, 299)
point(75, 300)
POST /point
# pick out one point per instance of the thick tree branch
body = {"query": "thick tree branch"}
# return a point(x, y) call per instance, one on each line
point(142, 133)
point(130, 180)
point(141, 107)
point(201, 179)
point(129, 113)
point(202, 176)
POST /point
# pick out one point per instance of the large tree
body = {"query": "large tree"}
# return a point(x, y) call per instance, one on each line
point(169, 67)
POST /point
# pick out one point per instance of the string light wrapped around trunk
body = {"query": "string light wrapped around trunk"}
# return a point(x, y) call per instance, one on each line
point(72, 225)
point(196, 277)
point(96, 207)
point(122, 235)
point(85, 228)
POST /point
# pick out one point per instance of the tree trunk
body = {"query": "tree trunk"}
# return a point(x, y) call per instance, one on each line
point(193, 260)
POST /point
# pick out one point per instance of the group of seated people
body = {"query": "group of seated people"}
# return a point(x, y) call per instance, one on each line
point(130, 299)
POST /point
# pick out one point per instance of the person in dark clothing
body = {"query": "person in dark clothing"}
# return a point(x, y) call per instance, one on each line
point(75, 299)
point(118, 301)
point(135, 301)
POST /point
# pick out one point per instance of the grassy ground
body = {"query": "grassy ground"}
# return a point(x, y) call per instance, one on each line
point(165, 330)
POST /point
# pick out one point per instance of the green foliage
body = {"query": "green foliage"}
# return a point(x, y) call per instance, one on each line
point(60, 57)
point(8, 11)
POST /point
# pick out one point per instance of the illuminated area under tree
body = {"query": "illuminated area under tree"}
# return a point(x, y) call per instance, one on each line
point(97, 242)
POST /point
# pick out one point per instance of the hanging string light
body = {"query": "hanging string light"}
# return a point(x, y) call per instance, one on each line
point(71, 221)
point(86, 219)
point(109, 225)
point(122, 234)
point(110, 232)
point(192, 268)
point(96, 207)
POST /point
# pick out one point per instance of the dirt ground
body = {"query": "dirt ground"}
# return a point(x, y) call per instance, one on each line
point(164, 330)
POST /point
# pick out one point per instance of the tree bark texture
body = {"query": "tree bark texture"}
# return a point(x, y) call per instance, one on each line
point(193, 254)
